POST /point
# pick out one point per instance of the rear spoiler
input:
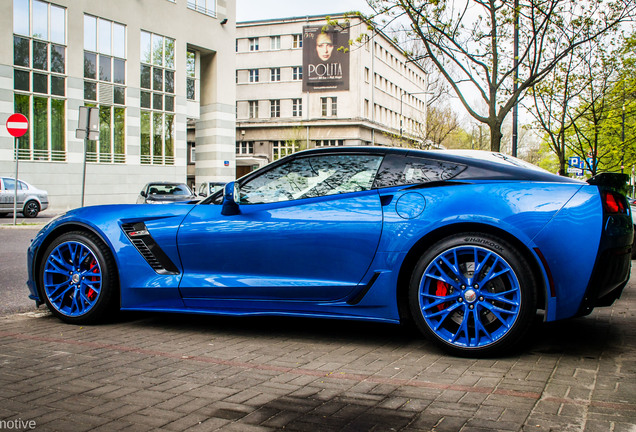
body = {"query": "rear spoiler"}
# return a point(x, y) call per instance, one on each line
point(616, 181)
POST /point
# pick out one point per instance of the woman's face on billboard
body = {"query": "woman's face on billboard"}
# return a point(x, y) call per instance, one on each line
point(324, 46)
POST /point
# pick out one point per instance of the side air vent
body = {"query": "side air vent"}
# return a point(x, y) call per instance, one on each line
point(140, 237)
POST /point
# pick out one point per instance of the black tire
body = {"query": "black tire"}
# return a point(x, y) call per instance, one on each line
point(31, 209)
point(451, 307)
point(91, 284)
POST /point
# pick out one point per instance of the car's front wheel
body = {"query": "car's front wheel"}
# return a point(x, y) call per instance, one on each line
point(31, 209)
point(78, 278)
point(473, 294)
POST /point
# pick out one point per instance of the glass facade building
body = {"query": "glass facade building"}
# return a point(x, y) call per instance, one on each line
point(157, 85)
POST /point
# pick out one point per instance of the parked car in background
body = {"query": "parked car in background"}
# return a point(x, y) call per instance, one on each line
point(164, 193)
point(209, 188)
point(467, 245)
point(31, 200)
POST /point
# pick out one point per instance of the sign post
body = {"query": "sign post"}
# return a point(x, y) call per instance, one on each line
point(17, 125)
point(88, 130)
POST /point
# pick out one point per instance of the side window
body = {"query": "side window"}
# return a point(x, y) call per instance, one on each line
point(311, 177)
point(400, 170)
point(9, 184)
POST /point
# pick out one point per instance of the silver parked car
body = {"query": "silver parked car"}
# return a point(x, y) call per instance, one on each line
point(31, 200)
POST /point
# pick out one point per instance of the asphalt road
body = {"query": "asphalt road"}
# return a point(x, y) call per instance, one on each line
point(14, 241)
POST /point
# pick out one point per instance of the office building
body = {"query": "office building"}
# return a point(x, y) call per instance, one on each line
point(300, 84)
point(150, 68)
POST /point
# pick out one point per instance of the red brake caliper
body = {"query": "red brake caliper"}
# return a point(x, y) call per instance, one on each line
point(441, 289)
point(91, 293)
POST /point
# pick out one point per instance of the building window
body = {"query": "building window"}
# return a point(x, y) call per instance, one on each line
point(105, 87)
point(192, 154)
point(253, 75)
point(157, 99)
point(274, 42)
point(329, 106)
point(297, 41)
point(245, 147)
point(274, 74)
point(39, 78)
point(366, 74)
point(329, 143)
point(253, 109)
point(253, 44)
point(297, 107)
point(297, 73)
point(207, 7)
point(191, 75)
point(274, 108)
point(281, 149)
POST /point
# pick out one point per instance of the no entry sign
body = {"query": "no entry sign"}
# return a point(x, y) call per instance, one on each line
point(17, 125)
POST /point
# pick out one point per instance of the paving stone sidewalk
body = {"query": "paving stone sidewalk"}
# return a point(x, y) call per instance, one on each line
point(160, 372)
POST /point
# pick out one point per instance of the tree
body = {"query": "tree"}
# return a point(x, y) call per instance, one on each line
point(440, 123)
point(470, 43)
point(552, 100)
point(619, 130)
point(586, 105)
point(594, 109)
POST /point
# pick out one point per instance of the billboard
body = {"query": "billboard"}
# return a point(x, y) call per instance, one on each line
point(325, 58)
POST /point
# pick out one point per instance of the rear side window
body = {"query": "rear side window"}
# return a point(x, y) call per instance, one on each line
point(398, 170)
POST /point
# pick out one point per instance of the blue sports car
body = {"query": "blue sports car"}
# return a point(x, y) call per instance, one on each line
point(467, 245)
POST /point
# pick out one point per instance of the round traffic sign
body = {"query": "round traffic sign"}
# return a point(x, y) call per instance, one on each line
point(17, 125)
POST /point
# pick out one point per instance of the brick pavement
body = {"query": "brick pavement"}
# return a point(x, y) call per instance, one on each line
point(177, 372)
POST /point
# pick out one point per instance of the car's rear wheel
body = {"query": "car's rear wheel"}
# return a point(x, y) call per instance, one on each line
point(78, 278)
point(473, 294)
point(31, 209)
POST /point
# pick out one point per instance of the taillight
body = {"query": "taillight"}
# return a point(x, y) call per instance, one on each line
point(614, 203)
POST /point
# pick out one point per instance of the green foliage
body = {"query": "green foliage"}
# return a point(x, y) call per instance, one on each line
point(593, 111)
point(471, 44)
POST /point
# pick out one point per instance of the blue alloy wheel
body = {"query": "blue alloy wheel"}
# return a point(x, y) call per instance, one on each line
point(76, 276)
point(473, 294)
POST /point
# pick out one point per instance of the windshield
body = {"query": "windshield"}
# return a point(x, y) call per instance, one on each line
point(169, 189)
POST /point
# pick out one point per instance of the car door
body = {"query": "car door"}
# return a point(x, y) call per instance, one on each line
point(8, 194)
point(308, 229)
point(4, 196)
point(23, 191)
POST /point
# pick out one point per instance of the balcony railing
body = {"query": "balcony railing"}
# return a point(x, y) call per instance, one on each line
point(202, 6)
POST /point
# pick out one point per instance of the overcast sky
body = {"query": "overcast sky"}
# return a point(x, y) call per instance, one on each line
point(250, 10)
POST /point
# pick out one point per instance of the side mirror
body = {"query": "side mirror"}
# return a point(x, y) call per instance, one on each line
point(143, 194)
point(230, 199)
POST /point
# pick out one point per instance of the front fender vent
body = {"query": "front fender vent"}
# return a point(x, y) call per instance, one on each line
point(140, 237)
